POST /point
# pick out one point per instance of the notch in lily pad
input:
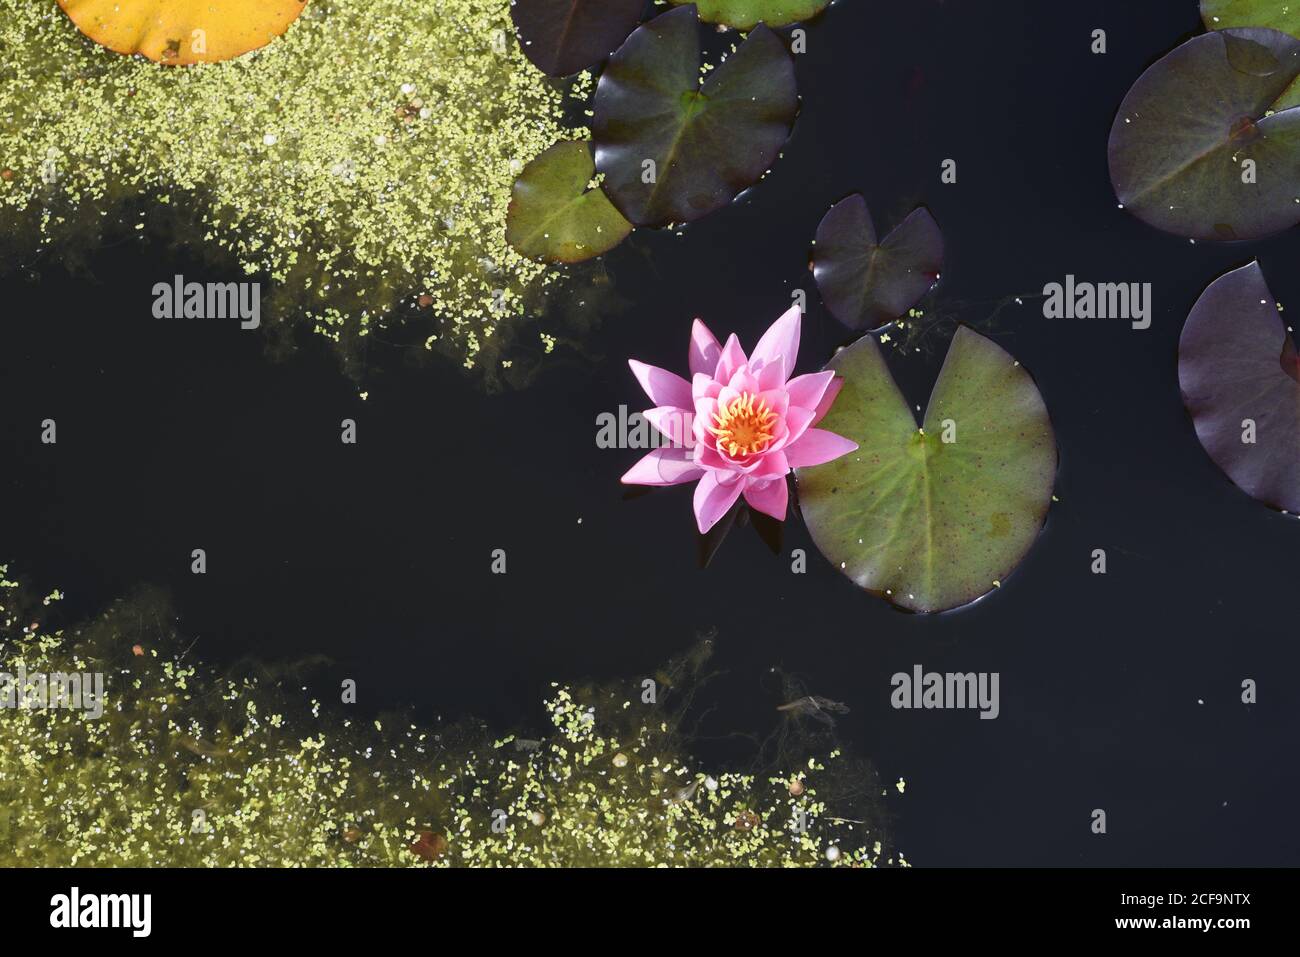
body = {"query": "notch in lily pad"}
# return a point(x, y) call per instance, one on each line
point(563, 37)
point(558, 213)
point(934, 517)
point(1240, 378)
point(866, 283)
point(673, 148)
point(1206, 144)
point(747, 14)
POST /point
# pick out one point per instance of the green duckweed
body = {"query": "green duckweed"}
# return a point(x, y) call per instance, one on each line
point(361, 163)
point(187, 766)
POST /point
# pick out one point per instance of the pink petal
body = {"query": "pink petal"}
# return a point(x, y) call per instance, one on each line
point(703, 420)
point(808, 390)
point(713, 500)
point(667, 466)
point(727, 396)
point(712, 457)
point(778, 400)
point(732, 358)
point(673, 423)
point(705, 406)
point(742, 380)
point(705, 351)
point(702, 385)
point(663, 387)
point(781, 342)
point(771, 376)
point(797, 421)
point(817, 446)
point(828, 400)
point(770, 498)
point(708, 456)
point(772, 465)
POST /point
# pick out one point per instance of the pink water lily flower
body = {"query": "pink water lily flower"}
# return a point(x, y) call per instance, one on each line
point(740, 424)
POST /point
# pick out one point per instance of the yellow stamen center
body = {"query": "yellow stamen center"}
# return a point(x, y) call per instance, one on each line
point(744, 427)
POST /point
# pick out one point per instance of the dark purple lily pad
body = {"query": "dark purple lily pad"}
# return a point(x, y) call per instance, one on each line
point(1240, 377)
point(562, 37)
point(1183, 135)
point(866, 283)
point(672, 148)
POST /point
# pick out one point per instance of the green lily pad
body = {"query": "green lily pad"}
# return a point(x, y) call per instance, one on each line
point(672, 148)
point(562, 37)
point(932, 518)
point(1199, 146)
point(866, 283)
point(556, 214)
point(745, 14)
point(1280, 15)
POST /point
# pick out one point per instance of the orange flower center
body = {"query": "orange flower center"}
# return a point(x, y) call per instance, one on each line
point(744, 427)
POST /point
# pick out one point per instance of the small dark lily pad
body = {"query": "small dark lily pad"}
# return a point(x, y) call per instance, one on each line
point(562, 37)
point(1202, 146)
point(866, 283)
point(556, 215)
point(1240, 378)
point(672, 148)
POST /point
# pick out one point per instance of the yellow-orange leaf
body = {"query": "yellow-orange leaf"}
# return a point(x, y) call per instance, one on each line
point(181, 32)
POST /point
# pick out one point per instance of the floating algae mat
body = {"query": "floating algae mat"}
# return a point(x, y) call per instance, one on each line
point(179, 765)
point(361, 161)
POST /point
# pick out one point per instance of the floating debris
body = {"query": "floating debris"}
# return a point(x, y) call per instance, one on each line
point(816, 707)
point(430, 845)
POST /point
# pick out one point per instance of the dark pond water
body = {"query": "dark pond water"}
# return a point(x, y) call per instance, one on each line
point(176, 435)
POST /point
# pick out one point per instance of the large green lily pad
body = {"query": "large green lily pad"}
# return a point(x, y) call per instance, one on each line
point(745, 14)
point(555, 213)
point(1181, 142)
point(933, 518)
point(672, 148)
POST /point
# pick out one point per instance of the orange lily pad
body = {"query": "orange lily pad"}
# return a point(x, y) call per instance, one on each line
point(181, 32)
